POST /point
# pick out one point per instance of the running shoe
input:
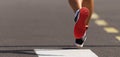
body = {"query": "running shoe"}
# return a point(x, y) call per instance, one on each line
point(80, 26)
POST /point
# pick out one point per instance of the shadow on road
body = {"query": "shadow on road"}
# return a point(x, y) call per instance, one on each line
point(28, 52)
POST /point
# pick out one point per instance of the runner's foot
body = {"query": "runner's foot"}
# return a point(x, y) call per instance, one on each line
point(80, 26)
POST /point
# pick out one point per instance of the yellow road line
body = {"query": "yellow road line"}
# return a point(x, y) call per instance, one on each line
point(94, 16)
point(101, 23)
point(111, 30)
point(118, 38)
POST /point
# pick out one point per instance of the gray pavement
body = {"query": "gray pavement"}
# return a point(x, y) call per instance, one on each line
point(36, 24)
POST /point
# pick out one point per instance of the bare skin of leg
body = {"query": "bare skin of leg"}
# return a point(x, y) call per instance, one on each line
point(90, 5)
point(78, 4)
point(75, 4)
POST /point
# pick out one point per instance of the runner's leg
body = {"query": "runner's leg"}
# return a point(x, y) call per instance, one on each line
point(78, 4)
point(90, 5)
point(75, 4)
point(83, 11)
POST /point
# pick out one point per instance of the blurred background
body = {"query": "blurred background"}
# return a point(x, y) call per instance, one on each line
point(31, 24)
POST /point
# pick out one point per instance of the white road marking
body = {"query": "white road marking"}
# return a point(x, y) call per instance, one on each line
point(65, 53)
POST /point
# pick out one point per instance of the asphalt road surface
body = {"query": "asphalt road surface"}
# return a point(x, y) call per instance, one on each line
point(26, 25)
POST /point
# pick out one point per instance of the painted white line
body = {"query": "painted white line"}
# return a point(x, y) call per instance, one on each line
point(94, 16)
point(65, 53)
point(111, 30)
point(101, 23)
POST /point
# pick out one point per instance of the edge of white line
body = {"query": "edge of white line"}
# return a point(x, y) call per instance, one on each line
point(65, 52)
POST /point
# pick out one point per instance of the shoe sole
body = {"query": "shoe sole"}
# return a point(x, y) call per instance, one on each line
point(80, 46)
point(79, 28)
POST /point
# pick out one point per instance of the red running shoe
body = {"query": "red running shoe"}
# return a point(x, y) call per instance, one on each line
point(80, 26)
